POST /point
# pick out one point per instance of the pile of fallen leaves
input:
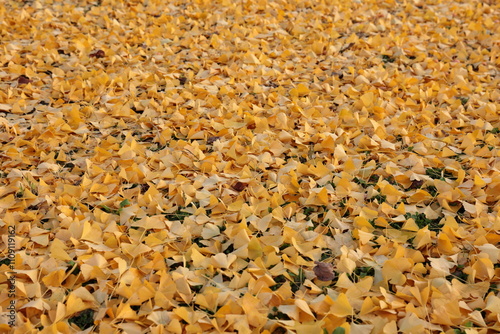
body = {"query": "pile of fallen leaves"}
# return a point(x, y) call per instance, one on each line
point(251, 166)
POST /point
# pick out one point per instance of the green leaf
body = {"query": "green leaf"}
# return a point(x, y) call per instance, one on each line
point(124, 203)
point(494, 130)
point(106, 209)
point(339, 330)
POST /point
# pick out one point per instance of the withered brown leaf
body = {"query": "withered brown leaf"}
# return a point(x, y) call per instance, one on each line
point(23, 79)
point(415, 184)
point(98, 54)
point(324, 271)
point(239, 186)
point(212, 139)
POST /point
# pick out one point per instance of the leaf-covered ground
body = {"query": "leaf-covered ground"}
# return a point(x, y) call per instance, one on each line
point(251, 166)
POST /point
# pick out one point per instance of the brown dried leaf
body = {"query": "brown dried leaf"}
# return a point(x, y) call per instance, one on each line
point(23, 80)
point(98, 54)
point(239, 186)
point(415, 184)
point(324, 271)
point(211, 140)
